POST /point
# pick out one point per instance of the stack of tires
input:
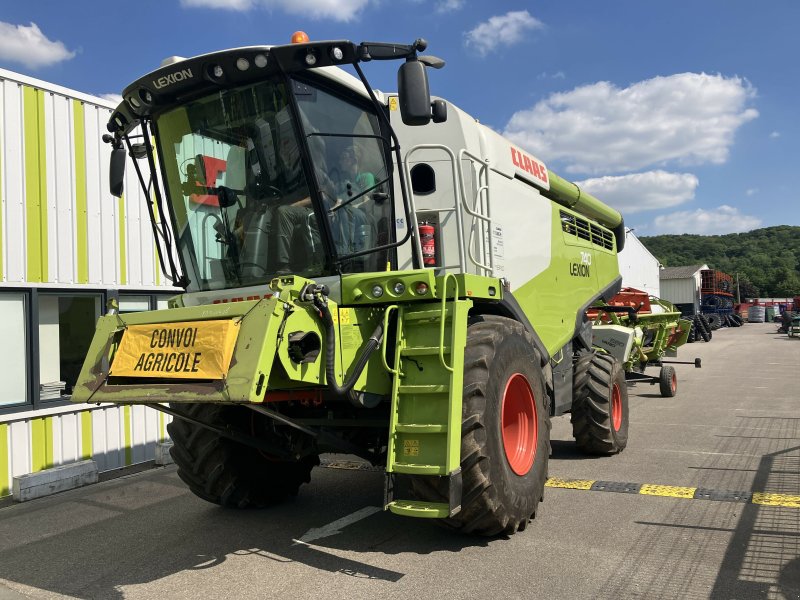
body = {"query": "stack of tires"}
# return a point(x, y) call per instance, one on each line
point(701, 329)
point(704, 325)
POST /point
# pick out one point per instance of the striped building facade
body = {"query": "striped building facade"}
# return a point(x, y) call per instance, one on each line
point(66, 247)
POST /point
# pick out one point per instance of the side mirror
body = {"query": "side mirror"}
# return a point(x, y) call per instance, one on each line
point(415, 96)
point(116, 171)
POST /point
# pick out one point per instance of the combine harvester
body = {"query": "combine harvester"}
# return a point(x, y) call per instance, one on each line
point(369, 273)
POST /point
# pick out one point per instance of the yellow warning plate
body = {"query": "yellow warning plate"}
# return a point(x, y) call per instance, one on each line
point(187, 350)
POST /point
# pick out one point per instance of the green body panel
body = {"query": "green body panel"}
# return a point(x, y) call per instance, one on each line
point(261, 359)
point(253, 356)
point(579, 269)
point(569, 194)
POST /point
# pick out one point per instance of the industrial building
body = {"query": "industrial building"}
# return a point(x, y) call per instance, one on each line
point(638, 267)
point(681, 286)
point(67, 247)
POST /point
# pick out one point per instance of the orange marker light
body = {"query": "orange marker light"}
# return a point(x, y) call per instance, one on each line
point(300, 37)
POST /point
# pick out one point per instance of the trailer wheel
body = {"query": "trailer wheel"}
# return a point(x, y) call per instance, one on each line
point(668, 382)
point(225, 472)
point(599, 404)
point(505, 432)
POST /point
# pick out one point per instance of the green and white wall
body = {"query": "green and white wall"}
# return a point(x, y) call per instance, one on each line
point(66, 247)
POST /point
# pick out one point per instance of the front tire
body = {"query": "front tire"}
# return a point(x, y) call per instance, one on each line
point(505, 442)
point(599, 404)
point(225, 472)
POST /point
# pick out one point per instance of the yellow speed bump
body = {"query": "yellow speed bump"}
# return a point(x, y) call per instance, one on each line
point(776, 500)
point(570, 484)
point(671, 491)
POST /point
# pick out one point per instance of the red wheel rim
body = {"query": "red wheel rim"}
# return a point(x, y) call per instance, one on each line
point(520, 424)
point(673, 383)
point(616, 407)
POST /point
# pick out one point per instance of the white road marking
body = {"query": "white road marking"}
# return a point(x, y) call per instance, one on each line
point(334, 528)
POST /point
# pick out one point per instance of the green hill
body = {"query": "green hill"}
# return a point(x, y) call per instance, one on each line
point(767, 260)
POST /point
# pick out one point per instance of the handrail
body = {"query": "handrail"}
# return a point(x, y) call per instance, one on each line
point(386, 314)
point(487, 218)
point(447, 277)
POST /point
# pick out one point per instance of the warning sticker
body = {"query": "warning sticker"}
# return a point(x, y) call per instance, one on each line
point(411, 447)
point(393, 103)
point(186, 350)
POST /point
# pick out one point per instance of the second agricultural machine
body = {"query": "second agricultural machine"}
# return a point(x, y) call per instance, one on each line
point(371, 273)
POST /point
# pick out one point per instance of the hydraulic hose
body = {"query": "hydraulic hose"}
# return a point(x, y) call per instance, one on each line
point(372, 344)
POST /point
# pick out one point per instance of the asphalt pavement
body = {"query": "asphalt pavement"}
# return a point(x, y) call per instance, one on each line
point(707, 506)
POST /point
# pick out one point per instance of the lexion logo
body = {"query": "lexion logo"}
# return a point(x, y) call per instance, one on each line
point(175, 77)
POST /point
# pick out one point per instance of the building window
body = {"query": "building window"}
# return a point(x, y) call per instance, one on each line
point(66, 327)
point(131, 304)
point(13, 332)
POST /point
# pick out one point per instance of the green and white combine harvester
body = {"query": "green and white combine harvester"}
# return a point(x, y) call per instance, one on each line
point(368, 273)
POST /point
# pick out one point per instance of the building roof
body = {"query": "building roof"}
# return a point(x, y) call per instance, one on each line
point(680, 272)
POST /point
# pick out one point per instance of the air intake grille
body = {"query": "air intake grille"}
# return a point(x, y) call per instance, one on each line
point(581, 228)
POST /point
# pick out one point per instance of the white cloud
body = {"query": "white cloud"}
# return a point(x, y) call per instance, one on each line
point(686, 119)
point(751, 191)
point(775, 135)
point(719, 220)
point(336, 10)
point(556, 75)
point(643, 191)
point(446, 6)
point(506, 30)
point(115, 98)
point(28, 46)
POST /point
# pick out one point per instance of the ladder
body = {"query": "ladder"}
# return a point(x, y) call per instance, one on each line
point(425, 419)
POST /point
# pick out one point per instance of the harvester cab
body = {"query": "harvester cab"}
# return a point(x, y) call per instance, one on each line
point(364, 272)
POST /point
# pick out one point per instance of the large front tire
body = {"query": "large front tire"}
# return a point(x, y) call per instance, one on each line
point(505, 432)
point(599, 404)
point(225, 472)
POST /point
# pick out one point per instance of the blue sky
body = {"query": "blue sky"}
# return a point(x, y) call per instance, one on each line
point(681, 114)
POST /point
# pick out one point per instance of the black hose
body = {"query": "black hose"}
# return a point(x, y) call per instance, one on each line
point(330, 352)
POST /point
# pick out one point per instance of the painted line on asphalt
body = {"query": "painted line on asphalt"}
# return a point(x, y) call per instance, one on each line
point(643, 489)
point(672, 491)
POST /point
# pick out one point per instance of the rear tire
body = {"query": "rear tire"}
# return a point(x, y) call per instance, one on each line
point(505, 432)
point(668, 382)
point(599, 404)
point(225, 472)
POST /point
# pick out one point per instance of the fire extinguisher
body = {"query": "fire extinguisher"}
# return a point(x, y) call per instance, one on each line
point(427, 238)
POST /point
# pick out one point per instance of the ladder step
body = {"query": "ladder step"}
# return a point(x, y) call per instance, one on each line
point(415, 469)
point(414, 508)
point(420, 428)
point(423, 351)
point(423, 389)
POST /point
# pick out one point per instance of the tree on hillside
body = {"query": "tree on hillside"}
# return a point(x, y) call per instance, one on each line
point(767, 260)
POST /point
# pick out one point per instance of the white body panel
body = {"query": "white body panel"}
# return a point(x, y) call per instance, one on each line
point(615, 339)
point(521, 217)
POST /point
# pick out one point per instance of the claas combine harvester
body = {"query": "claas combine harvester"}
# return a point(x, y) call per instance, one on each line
point(368, 273)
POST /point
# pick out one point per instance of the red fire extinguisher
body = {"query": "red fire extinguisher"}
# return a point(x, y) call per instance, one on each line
point(427, 238)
